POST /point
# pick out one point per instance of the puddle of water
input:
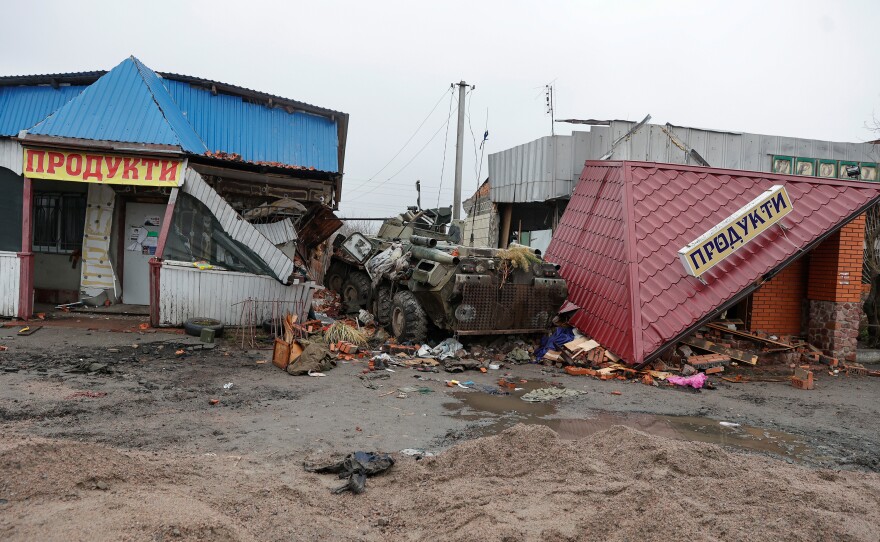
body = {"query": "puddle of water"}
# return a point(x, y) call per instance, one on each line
point(502, 412)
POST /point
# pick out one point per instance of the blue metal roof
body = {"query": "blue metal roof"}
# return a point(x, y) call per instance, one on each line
point(127, 104)
point(258, 133)
point(23, 106)
point(131, 103)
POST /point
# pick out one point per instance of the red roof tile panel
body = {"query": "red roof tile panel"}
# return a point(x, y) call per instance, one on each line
point(619, 238)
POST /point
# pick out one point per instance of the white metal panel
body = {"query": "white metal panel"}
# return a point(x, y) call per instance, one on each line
point(187, 292)
point(278, 233)
point(10, 276)
point(237, 228)
point(11, 155)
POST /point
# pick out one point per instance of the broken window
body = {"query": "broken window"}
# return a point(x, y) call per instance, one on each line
point(197, 236)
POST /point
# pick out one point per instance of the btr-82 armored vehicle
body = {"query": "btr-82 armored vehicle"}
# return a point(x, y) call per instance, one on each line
point(413, 275)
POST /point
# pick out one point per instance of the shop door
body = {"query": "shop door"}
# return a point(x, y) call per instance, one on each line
point(142, 224)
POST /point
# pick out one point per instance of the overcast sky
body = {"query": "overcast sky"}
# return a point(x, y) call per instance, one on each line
point(799, 68)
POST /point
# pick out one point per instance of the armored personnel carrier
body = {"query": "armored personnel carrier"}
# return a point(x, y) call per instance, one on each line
point(413, 275)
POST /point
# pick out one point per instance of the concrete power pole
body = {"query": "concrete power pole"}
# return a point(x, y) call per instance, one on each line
point(459, 151)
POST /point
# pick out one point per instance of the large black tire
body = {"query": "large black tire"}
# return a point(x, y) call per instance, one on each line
point(356, 289)
point(194, 326)
point(409, 323)
point(334, 280)
point(383, 305)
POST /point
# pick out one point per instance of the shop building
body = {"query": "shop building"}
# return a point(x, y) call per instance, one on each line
point(188, 196)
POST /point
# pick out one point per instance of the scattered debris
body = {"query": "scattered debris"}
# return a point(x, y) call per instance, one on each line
point(356, 467)
point(340, 331)
point(694, 381)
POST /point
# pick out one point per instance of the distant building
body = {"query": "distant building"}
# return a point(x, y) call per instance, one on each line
point(531, 184)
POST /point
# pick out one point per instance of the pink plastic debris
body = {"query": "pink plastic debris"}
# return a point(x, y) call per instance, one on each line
point(694, 381)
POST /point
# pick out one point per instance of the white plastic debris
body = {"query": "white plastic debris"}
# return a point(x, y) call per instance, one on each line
point(227, 385)
point(728, 424)
point(445, 349)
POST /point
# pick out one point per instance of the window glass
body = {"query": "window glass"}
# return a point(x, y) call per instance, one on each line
point(197, 236)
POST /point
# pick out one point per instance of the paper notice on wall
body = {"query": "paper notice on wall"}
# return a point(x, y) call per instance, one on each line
point(155, 220)
point(136, 238)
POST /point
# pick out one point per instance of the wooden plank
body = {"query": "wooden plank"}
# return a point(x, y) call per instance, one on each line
point(585, 347)
point(709, 346)
point(750, 336)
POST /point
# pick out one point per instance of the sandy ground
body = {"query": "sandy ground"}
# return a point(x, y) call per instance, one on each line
point(110, 436)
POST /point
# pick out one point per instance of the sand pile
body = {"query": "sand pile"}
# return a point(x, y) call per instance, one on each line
point(523, 484)
point(526, 484)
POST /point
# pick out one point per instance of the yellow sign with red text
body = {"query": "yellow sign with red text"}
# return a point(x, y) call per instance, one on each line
point(89, 167)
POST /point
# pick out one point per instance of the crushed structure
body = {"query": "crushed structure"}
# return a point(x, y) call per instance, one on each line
point(631, 227)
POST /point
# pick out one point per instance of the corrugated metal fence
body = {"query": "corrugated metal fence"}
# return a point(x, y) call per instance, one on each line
point(10, 273)
point(187, 292)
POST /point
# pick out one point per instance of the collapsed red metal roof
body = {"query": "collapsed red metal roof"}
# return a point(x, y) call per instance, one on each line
point(619, 238)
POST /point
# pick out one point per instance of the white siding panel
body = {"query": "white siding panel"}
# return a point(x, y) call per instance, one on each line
point(11, 155)
point(186, 292)
point(10, 275)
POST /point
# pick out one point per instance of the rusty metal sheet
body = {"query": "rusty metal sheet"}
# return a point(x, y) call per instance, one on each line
point(317, 225)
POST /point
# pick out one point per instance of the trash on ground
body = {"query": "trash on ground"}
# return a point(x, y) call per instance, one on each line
point(694, 381)
point(315, 357)
point(356, 467)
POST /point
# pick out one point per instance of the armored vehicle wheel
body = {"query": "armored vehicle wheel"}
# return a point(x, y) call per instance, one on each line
point(383, 305)
point(334, 281)
point(409, 323)
point(356, 289)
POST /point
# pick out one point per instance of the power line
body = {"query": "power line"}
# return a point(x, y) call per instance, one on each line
point(445, 146)
point(410, 137)
point(416, 155)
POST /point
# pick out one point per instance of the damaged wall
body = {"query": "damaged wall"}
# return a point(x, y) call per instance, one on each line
point(186, 292)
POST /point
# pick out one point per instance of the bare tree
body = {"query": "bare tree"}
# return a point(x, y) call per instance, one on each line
point(365, 227)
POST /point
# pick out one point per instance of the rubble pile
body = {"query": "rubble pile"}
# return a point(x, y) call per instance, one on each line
point(719, 349)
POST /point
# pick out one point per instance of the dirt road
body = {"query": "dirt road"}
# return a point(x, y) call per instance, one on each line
point(125, 410)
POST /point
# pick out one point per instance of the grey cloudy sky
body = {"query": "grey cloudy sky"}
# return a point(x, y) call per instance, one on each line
point(796, 68)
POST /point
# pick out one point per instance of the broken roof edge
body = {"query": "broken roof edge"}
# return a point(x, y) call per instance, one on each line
point(857, 183)
point(742, 294)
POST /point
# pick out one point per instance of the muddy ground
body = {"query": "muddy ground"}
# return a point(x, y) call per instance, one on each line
point(129, 396)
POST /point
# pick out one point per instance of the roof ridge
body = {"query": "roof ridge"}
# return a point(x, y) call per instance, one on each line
point(140, 67)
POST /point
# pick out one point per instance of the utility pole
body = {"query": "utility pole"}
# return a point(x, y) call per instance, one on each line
point(548, 97)
point(459, 151)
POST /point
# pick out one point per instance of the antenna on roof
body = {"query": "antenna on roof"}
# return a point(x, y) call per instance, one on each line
point(548, 99)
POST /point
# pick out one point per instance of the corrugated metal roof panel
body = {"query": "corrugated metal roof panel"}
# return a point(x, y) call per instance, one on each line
point(127, 104)
point(643, 284)
point(258, 133)
point(21, 107)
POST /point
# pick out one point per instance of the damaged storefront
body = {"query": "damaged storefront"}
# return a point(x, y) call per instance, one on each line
point(655, 253)
point(138, 192)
